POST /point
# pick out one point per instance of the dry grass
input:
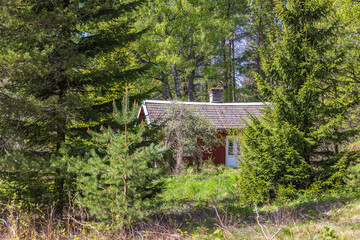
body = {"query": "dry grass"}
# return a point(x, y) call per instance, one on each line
point(306, 221)
point(326, 220)
point(16, 223)
point(343, 219)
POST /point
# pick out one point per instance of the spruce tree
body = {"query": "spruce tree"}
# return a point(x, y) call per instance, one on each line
point(62, 62)
point(120, 179)
point(298, 142)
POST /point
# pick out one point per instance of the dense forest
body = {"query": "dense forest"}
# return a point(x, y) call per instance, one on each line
point(76, 162)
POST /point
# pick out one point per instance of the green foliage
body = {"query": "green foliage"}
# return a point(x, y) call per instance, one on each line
point(286, 193)
point(352, 178)
point(120, 179)
point(53, 69)
point(65, 61)
point(62, 62)
point(349, 13)
point(270, 164)
point(186, 45)
point(202, 189)
point(328, 233)
point(187, 133)
point(31, 180)
point(270, 168)
point(252, 188)
point(260, 20)
point(297, 142)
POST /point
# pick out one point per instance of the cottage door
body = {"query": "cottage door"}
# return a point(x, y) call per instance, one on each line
point(232, 152)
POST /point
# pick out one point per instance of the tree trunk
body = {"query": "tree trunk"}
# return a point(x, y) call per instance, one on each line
point(224, 67)
point(179, 155)
point(233, 68)
point(126, 159)
point(59, 178)
point(176, 82)
point(166, 85)
point(191, 88)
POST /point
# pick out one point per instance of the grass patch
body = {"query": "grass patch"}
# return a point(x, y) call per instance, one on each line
point(209, 187)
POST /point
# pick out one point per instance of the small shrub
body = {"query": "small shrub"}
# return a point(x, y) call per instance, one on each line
point(353, 178)
point(327, 233)
point(286, 193)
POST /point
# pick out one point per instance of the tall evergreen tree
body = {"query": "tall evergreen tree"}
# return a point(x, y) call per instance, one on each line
point(298, 141)
point(61, 62)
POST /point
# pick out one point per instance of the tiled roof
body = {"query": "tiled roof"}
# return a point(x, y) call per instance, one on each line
point(221, 115)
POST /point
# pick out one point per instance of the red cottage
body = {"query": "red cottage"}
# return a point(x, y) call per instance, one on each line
point(223, 116)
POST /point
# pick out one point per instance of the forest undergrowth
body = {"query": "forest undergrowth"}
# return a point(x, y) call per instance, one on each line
point(199, 213)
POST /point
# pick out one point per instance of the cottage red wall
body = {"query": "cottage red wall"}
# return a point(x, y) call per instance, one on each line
point(141, 113)
point(218, 153)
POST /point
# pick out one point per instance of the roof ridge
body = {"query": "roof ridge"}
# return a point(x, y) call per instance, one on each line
point(208, 103)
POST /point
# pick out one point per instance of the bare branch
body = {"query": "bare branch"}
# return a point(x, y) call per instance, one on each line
point(266, 235)
point(222, 225)
point(2, 145)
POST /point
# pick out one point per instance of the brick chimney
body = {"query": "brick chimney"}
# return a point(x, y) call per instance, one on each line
point(216, 95)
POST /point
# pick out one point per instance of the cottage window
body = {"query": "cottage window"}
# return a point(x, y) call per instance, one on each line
point(231, 147)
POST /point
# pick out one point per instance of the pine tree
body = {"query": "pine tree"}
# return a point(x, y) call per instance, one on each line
point(119, 180)
point(298, 141)
point(61, 64)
